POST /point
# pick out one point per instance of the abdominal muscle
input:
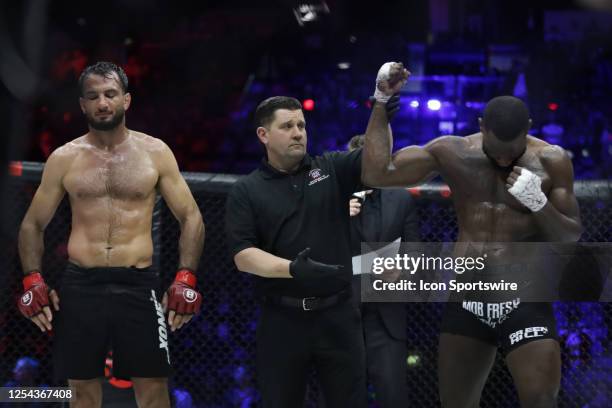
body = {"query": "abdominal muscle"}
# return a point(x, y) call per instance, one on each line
point(111, 232)
point(494, 222)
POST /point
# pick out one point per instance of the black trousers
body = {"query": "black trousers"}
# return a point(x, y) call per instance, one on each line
point(290, 341)
point(386, 360)
point(385, 354)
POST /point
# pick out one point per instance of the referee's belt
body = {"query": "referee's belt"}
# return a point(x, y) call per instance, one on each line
point(308, 303)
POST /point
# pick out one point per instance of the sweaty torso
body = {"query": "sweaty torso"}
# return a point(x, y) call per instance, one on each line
point(112, 194)
point(486, 212)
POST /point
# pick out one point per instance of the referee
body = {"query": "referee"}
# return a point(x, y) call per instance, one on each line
point(287, 224)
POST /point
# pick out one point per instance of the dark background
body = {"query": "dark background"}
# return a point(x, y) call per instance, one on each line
point(198, 69)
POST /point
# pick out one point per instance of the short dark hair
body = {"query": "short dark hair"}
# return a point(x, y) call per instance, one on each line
point(356, 142)
point(507, 117)
point(264, 114)
point(105, 69)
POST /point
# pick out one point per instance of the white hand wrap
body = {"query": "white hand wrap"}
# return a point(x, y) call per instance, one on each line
point(528, 191)
point(383, 75)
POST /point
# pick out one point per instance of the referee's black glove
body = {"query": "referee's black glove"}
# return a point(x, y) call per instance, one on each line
point(305, 268)
point(392, 106)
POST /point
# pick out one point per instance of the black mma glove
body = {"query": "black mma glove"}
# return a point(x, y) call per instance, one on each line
point(392, 106)
point(304, 268)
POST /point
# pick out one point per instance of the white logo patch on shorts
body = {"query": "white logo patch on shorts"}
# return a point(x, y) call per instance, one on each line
point(161, 325)
point(491, 314)
point(26, 299)
point(528, 333)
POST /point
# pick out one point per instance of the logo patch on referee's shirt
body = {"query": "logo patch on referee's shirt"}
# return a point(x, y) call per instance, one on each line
point(316, 176)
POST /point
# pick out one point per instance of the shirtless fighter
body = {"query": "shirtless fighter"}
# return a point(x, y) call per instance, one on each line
point(108, 294)
point(507, 186)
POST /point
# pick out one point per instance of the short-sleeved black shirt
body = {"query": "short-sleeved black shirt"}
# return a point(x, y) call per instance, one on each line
point(283, 213)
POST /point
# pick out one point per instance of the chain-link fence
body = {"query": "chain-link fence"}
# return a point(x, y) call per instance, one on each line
point(214, 355)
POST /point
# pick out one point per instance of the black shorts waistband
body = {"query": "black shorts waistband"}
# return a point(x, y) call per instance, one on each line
point(308, 303)
point(133, 276)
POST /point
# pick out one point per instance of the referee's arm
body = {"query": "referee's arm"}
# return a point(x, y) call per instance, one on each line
point(254, 260)
point(243, 241)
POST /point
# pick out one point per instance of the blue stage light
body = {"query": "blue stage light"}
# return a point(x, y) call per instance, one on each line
point(434, 104)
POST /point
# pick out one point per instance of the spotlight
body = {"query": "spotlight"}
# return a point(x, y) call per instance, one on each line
point(553, 106)
point(414, 104)
point(434, 104)
point(308, 104)
point(344, 65)
point(446, 127)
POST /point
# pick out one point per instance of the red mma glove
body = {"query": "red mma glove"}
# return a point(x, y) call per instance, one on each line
point(34, 303)
point(35, 295)
point(182, 298)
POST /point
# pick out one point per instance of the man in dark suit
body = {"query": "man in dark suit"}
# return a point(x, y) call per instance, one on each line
point(383, 216)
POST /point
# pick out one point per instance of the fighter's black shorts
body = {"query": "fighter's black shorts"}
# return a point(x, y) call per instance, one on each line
point(110, 309)
point(507, 324)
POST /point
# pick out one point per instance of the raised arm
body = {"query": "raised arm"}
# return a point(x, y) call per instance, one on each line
point(409, 166)
point(41, 211)
point(177, 195)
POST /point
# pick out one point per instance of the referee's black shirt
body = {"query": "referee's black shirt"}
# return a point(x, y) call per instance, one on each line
point(283, 213)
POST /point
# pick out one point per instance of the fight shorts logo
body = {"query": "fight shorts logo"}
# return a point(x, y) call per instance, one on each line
point(528, 333)
point(26, 299)
point(161, 325)
point(316, 176)
point(491, 314)
point(190, 295)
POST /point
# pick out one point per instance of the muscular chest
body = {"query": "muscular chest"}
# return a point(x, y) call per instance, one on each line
point(126, 176)
point(476, 180)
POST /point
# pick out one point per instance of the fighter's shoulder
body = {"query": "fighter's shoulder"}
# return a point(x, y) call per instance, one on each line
point(549, 154)
point(554, 159)
point(59, 161)
point(448, 143)
point(149, 143)
point(66, 153)
point(158, 152)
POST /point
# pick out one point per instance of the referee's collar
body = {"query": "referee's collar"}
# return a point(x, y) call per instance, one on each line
point(271, 172)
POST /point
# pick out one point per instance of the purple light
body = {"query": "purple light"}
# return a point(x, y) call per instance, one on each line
point(223, 331)
point(434, 104)
point(414, 104)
